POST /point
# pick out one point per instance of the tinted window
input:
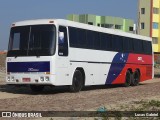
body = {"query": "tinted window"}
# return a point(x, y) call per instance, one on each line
point(138, 46)
point(131, 44)
point(16, 42)
point(90, 39)
point(109, 41)
point(81, 36)
point(34, 40)
point(96, 40)
point(19, 37)
point(106, 41)
point(147, 47)
point(117, 42)
point(103, 41)
point(127, 44)
point(41, 37)
point(73, 36)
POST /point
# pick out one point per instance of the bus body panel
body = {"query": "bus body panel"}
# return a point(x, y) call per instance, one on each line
point(110, 67)
point(96, 68)
point(140, 62)
point(100, 67)
point(30, 67)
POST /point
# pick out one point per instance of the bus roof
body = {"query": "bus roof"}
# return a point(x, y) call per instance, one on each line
point(80, 25)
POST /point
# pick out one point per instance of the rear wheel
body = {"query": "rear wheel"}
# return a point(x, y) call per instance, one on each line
point(136, 78)
point(128, 79)
point(37, 88)
point(77, 82)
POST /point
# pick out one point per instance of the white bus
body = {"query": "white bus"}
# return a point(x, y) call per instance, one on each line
point(64, 53)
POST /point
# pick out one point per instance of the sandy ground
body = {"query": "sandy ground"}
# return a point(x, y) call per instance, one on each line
point(90, 99)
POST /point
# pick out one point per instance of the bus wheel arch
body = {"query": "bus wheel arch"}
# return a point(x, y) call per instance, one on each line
point(78, 80)
point(136, 77)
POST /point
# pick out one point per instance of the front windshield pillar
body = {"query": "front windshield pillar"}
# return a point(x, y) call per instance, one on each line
point(29, 39)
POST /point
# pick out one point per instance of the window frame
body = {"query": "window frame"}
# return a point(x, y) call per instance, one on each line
point(142, 25)
point(143, 11)
point(60, 46)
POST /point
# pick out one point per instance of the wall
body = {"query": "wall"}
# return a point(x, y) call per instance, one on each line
point(100, 20)
point(144, 17)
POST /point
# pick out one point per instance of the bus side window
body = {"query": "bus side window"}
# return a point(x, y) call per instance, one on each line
point(62, 41)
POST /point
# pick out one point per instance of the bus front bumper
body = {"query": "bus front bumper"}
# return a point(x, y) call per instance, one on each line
point(37, 79)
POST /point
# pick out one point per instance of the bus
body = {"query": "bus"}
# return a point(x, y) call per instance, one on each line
point(57, 52)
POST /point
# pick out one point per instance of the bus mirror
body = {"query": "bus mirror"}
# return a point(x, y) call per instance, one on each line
point(61, 38)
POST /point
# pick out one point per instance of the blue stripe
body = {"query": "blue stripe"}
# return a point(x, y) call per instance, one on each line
point(28, 67)
point(115, 69)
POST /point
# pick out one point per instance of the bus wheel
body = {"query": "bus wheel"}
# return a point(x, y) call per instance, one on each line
point(77, 82)
point(37, 88)
point(136, 78)
point(128, 79)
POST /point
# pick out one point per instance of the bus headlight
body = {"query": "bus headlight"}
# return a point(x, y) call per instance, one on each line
point(47, 78)
point(8, 78)
point(12, 78)
point(42, 79)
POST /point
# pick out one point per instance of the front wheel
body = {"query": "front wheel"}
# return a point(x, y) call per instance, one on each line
point(37, 88)
point(77, 82)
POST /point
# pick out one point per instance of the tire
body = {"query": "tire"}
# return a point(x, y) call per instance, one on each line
point(128, 79)
point(37, 88)
point(77, 82)
point(136, 78)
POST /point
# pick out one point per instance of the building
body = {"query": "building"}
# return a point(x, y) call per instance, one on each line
point(104, 21)
point(149, 21)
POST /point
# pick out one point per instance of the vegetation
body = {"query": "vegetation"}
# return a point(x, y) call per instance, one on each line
point(152, 105)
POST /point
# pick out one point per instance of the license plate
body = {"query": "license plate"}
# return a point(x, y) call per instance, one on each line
point(26, 79)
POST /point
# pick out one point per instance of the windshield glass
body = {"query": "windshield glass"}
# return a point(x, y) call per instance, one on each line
point(36, 40)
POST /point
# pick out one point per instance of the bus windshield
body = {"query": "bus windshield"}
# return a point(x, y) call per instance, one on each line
point(35, 40)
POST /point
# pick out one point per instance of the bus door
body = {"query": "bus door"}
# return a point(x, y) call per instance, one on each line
point(63, 59)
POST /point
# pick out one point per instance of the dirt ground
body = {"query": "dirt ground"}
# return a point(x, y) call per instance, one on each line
point(59, 99)
point(90, 98)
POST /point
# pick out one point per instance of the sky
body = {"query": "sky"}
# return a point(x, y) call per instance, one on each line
point(18, 10)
